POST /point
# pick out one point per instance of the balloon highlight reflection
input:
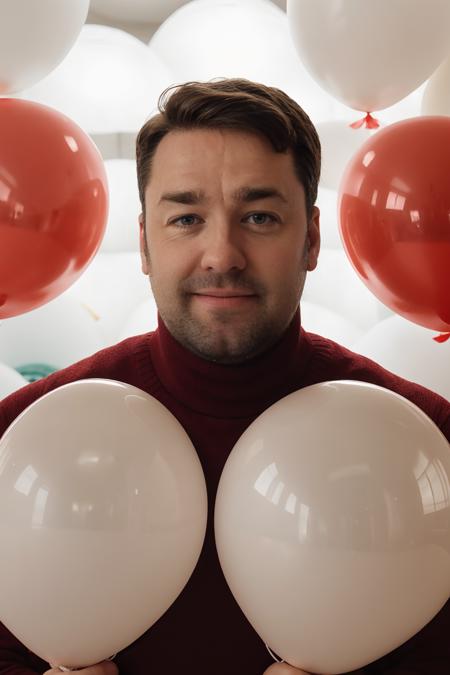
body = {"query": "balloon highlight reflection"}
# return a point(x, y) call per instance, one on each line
point(104, 507)
point(332, 524)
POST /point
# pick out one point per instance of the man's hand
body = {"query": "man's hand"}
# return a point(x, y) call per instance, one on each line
point(104, 668)
point(284, 669)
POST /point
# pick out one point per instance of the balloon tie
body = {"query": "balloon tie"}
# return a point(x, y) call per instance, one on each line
point(274, 656)
point(443, 337)
point(368, 122)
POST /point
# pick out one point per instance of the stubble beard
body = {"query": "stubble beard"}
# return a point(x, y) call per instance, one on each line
point(218, 340)
point(248, 339)
point(228, 337)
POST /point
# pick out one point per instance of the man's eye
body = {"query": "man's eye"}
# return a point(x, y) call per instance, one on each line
point(186, 221)
point(261, 219)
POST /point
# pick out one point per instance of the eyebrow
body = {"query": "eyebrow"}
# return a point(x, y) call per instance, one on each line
point(253, 194)
point(244, 194)
point(184, 197)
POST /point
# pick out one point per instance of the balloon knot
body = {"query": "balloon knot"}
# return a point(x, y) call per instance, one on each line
point(443, 337)
point(368, 122)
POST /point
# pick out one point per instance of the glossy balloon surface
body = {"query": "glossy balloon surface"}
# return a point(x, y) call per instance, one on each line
point(332, 524)
point(53, 204)
point(103, 514)
point(394, 212)
point(370, 55)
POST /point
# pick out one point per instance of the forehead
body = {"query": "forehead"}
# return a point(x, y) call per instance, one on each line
point(198, 158)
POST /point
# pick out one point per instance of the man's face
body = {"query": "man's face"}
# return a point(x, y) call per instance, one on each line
point(228, 241)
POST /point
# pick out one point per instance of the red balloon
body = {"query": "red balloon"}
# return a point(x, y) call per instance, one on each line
point(53, 204)
point(394, 210)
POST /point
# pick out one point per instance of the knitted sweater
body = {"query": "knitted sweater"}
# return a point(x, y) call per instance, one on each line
point(204, 632)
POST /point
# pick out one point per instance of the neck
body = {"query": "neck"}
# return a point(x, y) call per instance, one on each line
point(229, 390)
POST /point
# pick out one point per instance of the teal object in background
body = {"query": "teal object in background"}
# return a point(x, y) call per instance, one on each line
point(35, 371)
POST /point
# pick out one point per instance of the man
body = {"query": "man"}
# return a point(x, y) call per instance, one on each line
point(228, 174)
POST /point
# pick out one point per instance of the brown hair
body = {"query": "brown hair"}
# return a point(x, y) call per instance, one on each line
point(234, 104)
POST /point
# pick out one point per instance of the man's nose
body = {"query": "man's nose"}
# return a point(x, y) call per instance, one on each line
point(222, 250)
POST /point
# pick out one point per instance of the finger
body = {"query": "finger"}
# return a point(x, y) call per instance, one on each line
point(104, 668)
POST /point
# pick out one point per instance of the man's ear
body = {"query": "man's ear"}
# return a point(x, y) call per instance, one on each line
point(145, 258)
point(314, 239)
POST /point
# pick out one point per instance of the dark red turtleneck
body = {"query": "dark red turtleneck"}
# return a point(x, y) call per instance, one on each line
point(204, 632)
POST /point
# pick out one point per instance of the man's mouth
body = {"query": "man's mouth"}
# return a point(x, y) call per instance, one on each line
point(225, 293)
point(224, 297)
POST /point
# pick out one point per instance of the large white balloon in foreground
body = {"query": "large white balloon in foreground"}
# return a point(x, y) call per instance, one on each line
point(101, 488)
point(207, 39)
point(142, 11)
point(109, 82)
point(370, 55)
point(408, 350)
point(332, 524)
point(35, 37)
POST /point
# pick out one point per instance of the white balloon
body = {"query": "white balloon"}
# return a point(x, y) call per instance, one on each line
point(370, 55)
point(335, 284)
point(112, 286)
point(339, 142)
point(101, 488)
point(436, 97)
point(142, 11)
point(332, 524)
point(404, 109)
point(409, 351)
point(230, 38)
point(122, 231)
point(323, 321)
point(142, 320)
point(329, 230)
point(109, 82)
point(10, 379)
point(35, 37)
point(50, 337)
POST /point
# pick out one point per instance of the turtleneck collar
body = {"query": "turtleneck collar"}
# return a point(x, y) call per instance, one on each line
point(232, 391)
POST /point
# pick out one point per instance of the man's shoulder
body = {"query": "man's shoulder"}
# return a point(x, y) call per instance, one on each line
point(127, 361)
point(332, 361)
